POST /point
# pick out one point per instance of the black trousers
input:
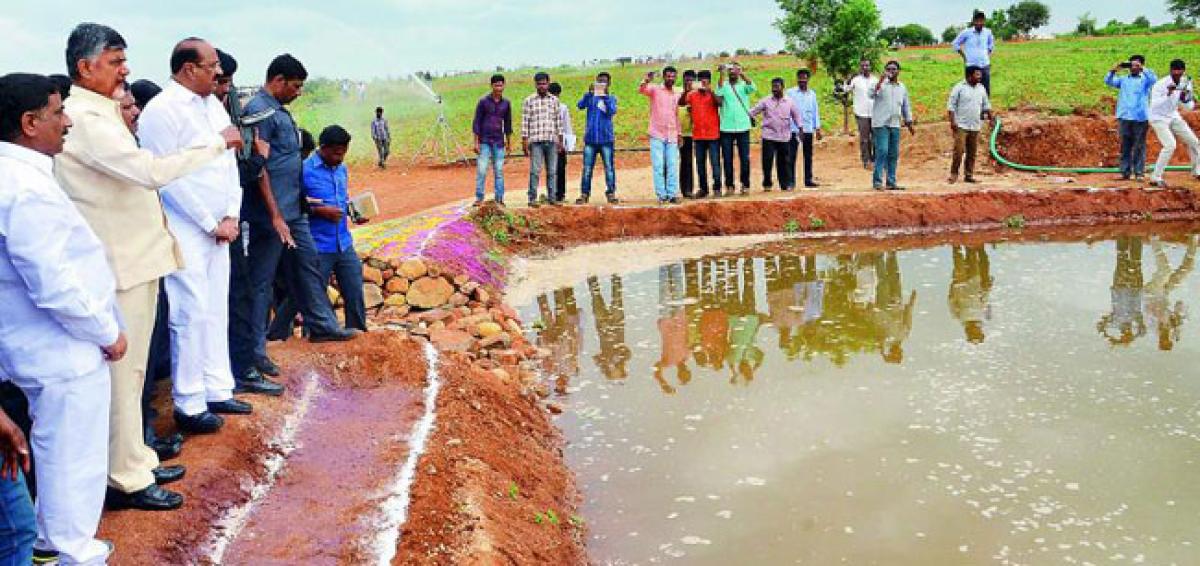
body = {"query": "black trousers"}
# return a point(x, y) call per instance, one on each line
point(686, 167)
point(801, 143)
point(742, 141)
point(778, 156)
point(708, 152)
point(560, 184)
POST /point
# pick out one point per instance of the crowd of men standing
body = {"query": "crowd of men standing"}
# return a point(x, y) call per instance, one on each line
point(140, 228)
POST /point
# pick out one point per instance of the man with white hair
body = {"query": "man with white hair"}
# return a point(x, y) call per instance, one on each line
point(202, 211)
point(115, 184)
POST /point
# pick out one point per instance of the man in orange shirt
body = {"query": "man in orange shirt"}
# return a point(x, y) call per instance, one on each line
point(706, 131)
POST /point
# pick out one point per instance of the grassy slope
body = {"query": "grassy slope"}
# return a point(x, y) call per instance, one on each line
point(1053, 75)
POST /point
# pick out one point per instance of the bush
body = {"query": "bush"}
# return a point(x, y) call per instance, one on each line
point(909, 34)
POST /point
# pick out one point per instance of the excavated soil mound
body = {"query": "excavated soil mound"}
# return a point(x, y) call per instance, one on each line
point(1075, 141)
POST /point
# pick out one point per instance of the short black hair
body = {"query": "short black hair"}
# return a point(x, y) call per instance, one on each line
point(143, 92)
point(970, 70)
point(63, 83)
point(229, 65)
point(669, 69)
point(1138, 58)
point(1178, 65)
point(704, 74)
point(978, 15)
point(689, 74)
point(496, 79)
point(185, 52)
point(603, 74)
point(777, 80)
point(541, 76)
point(307, 143)
point(379, 110)
point(287, 67)
point(892, 62)
point(334, 135)
point(21, 93)
point(803, 72)
point(555, 89)
point(89, 40)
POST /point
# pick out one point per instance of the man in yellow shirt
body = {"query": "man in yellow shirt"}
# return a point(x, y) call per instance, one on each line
point(115, 184)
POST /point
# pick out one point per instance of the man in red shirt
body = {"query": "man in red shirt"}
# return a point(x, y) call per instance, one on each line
point(706, 131)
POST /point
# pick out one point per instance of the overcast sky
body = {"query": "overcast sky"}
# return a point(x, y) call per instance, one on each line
point(361, 40)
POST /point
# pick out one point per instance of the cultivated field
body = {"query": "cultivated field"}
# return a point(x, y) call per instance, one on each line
point(1057, 76)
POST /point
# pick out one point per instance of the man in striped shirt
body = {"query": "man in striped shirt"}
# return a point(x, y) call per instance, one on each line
point(382, 136)
point(541, 137)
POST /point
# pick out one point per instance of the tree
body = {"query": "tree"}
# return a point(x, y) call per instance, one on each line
point(804, 22)
point(910, 34)
point(1028, 15)
point(1141, 22)
point(1087, 24)
point(1185, 9)
point(951, 33)
point(851, 36)
point(1000, 25)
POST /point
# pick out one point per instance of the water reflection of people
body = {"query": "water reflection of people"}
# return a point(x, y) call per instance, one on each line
point(970, 286)
point(712, 320)
point(1125, 322)
point(672, 327)
point(561, 331)
point(1164, 317)
point(893, 315)
point(744, 321)
point(613, 355)
point(795, 296)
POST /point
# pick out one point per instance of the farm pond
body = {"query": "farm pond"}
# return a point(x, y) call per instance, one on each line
point(1007, 402)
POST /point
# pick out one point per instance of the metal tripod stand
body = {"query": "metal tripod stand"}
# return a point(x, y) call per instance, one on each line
point(440, 137)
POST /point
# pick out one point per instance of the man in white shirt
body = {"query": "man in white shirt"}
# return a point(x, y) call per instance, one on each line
point(59, 321)
point(202, 212)
point(1168, 95)
point(966, 109)
point(860, 88)
point(568, 145)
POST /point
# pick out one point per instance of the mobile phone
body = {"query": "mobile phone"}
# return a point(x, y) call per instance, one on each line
point(1126, 64)
point(600, 89)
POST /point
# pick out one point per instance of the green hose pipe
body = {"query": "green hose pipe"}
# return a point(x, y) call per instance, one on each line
point(1000, 159)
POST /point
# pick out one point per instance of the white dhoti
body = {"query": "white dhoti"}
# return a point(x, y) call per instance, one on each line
point(1167, 132)
point(199, 320)
point(70, 445)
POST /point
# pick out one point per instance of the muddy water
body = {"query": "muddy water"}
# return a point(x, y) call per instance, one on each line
point(999, 403)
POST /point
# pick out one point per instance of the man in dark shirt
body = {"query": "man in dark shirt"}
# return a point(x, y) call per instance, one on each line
point(277, 215)
point(493, 134)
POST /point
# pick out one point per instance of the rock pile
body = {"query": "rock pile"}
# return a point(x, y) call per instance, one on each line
point(452, 311)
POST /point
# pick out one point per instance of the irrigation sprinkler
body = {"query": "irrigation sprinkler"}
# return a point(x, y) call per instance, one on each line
point(438, 136)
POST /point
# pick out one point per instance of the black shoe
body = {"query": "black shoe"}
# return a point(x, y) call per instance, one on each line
point(45, 557)
point(675, 200)
point(267, 367)
point(534, 204)
point(168, 448)
point(254, 382)
point(811, 184)
point(582, 200)
point(500, 203)
point(338, 335)
point(203, 423)
point(702, 194)
point(230, 407)
point(612, 199)
point(164, 475)
point(153, 498)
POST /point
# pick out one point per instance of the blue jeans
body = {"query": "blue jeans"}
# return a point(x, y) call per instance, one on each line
point(543, 155)
point(708, 151)
point(1133, 146)
point(302, 273)
point(490, 155)
point(589, 163)
point(664, 160)
point(887, 154)
point(18, 526)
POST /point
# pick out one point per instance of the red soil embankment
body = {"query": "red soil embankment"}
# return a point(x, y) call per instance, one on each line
point(567, 226)
point(1075, 141)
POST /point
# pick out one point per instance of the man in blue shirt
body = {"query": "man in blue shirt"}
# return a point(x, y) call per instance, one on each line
point(975, 45)
point(598, 137)
point(805, 100)
point(277, 214)
point(326, 181)
point(1133, 117)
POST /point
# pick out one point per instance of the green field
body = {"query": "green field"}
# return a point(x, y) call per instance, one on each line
point(1055, 76)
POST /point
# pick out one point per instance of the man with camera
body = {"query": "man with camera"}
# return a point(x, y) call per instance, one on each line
point(891, 110)
point(1132, 113)
point(734, 93)
point(1169, 94)
point(598, 137)
point(664, 134)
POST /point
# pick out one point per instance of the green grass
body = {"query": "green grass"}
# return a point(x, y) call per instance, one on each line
point(1055, 76)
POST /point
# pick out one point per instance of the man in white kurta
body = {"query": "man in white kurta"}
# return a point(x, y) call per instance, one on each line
point(202, 212)
point(58, 323)
point(1168, 95)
